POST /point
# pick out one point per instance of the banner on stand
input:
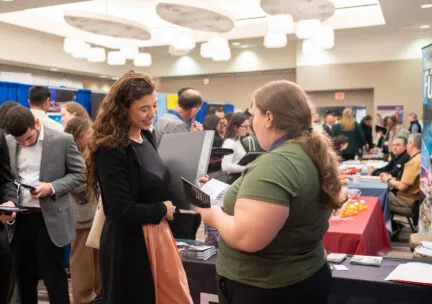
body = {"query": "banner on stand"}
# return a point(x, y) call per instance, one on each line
point(425, 214)
point(387, 111)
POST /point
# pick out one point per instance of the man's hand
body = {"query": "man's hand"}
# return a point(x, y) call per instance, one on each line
point(196, 127)
point(371, 170)
point(385, 177)
point(5, 218)
point(43, 190)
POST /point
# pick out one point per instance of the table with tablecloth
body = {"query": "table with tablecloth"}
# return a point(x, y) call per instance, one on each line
point(363, 234)
point(378, 189)
point(359, 285)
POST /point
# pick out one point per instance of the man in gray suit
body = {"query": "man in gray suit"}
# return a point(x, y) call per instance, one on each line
point(47, 166)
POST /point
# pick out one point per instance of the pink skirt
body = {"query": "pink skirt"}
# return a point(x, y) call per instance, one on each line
point(170, 281)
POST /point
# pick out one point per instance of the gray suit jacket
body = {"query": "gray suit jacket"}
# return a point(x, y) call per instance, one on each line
point(63, 166)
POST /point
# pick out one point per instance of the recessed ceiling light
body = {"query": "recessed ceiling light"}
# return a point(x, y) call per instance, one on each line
point(236, 43)
point(53, 69)
point(429, 5)
point(426, 26)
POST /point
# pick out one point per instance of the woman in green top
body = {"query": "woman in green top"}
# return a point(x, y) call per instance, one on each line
point(277, 212)
point(351, 129)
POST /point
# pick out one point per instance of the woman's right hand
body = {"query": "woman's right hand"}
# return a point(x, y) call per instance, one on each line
point(170, 210)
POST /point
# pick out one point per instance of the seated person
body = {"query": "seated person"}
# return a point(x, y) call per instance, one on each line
point(340, 143)
point(399, 157)
point(408, 186)
point(250, 142)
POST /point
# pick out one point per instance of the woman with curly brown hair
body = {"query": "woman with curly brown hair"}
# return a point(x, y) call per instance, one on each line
point(276, 214)
point(136, 241)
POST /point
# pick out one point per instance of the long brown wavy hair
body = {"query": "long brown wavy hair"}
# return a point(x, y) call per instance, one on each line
point(292, 114)
point(112, 122)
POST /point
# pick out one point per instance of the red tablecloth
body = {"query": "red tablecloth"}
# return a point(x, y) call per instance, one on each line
point(363, 234)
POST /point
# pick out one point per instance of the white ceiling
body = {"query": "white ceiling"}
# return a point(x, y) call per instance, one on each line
point(250, 19)
point(19, 5)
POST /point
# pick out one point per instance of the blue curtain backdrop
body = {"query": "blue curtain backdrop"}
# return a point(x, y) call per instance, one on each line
point(84, 98)
point(229, 108)
point(202, 112)
point(14, 92)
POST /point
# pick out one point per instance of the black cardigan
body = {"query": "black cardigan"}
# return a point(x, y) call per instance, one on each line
point(125, 265)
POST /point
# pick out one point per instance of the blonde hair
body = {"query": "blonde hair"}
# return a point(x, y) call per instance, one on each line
point(292, 114)
point(347, 123)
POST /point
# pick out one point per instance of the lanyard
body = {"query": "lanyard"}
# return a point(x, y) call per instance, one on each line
point(180, 117)
point(280, 141)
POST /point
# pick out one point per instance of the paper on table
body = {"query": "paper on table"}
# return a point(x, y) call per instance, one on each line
point(427, 245)
point(216, 190)
point(424, 251)
point(412, 273)
point(341, 267)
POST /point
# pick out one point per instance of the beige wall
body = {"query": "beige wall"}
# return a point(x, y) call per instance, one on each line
point(394, 82)
point(231, 88)
point(91, 83)
point(352, 98)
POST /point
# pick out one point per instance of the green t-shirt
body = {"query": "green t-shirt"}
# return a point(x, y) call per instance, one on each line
point(286, 176)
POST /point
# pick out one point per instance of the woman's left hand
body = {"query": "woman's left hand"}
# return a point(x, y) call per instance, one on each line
point(208, 215)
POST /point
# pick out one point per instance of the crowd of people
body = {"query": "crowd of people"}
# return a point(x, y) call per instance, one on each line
point(58, 173)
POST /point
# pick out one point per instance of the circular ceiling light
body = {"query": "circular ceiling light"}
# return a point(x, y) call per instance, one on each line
point(96, 54)
point(310, 47)
point(300, 9)
point(205, 50)
point(107, 25)
point(116, 58)
point(306, 29)
point(325, 37)
point(283, 24)
point(183, 42)
point(143, 60)
point(195, 17)
point(222, 55)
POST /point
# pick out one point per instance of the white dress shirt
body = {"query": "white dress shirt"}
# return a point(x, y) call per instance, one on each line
point(45, 120)
point(28, 165)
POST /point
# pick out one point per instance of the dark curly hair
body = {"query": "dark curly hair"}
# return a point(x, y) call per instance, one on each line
point(112, 123)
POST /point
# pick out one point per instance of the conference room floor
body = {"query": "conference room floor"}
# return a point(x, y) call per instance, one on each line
point(400, 250)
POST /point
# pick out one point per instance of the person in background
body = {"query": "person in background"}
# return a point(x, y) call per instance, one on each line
point(250, 142)
point(72, 109)
point(50, 162)
point(238, 127)
point(124, 164)
point(366, 126)
point(351, 129)
point(408, 185)
point(39, 100)
point(220, 113)
point(276, 214)
point(181, 119)
point(84, 261)
point(4, 108)
point(329, 123)
point(211, 123)
point(415, 126)
point(228, 116)
point(398, 159)
point(391, 125)
point(8, 198)
point(340, 143)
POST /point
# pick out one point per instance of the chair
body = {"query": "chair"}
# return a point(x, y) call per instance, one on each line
point(412, 216)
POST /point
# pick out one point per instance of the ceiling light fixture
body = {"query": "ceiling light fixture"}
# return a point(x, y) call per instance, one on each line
point(283, 24)
point(205, 50)
point(236, 43)
point(222, 55)
point(54, 69)
point(307, 28)
point(310, 47)
point(81, 51)
point(425, 26)
point(129, 51)
point(71, 45)
point(116, 58)
point(143, 60)
point(324, 37)
point(428, 5)
point(96, 54)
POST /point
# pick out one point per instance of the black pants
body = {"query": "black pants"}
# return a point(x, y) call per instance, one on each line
point(35, 254)
point(314, 290)
point(5, 271)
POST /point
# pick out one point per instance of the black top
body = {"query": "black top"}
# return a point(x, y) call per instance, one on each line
point(395, 166)
point(133, 183)
point(367, 130)
point(417, 129)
